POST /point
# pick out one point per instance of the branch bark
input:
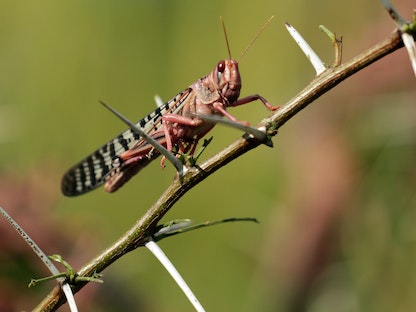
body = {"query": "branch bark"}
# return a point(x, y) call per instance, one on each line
point(138, 234)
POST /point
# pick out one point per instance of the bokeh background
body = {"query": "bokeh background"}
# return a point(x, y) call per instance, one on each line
point(335, 197)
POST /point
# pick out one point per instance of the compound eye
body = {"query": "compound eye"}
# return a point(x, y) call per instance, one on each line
point(221, 66)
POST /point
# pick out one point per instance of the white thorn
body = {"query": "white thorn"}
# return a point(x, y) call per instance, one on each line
point(169, 156)
point(161, 256)
point(158, 100)
point(307, 50)
point(409, 43)
point(69, 297)
point(42, 256)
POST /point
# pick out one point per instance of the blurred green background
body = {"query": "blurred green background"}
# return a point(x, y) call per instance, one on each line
point(335, 197)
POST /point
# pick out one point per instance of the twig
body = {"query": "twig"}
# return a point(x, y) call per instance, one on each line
point(145, 226)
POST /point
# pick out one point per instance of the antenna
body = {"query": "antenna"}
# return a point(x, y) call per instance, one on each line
point(226, 37)
point(254, 39)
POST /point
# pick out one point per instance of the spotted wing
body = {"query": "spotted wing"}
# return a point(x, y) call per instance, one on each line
point(95, 169)
point(98, 167)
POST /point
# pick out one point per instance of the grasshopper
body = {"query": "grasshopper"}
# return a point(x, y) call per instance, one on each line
point(177, 125)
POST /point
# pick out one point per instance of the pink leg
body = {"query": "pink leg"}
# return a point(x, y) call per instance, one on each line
point(252, 98)
point(173, 118)
point(220, 107)
point(182, 120)
point(246, 126)
point(142, 149)
point(168, 142)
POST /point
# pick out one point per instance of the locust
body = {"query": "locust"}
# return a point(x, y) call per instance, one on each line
point(176, 125)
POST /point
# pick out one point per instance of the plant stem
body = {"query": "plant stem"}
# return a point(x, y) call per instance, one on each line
point(137, 234)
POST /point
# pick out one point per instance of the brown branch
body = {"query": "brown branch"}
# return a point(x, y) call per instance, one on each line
point(137, 235)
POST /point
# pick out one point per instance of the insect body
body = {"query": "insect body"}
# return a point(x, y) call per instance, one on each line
point(175, 125)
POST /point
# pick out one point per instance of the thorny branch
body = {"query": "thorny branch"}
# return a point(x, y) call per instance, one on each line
point(138, 234)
